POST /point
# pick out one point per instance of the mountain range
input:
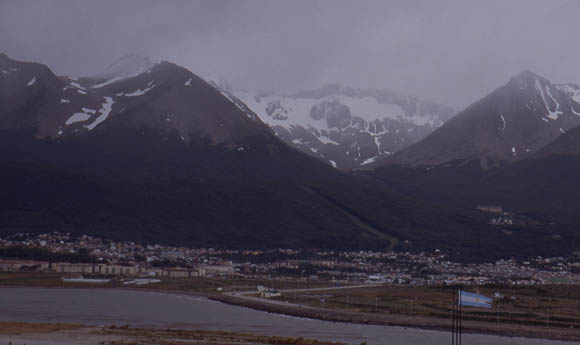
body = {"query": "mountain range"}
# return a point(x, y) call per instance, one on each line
point(151, 152)
point(164, 156)
point(347, 128)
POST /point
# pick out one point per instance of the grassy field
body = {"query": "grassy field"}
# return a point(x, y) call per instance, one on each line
point(201, 285)
point(546, 306)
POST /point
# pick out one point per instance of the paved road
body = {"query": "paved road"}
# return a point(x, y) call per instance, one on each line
point(330, 288)
point(246, 294)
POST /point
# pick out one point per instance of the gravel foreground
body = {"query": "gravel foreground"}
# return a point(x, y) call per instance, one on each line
point(19, 333)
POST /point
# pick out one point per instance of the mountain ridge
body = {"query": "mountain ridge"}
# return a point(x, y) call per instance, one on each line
point(120, 169)
point(509, 124)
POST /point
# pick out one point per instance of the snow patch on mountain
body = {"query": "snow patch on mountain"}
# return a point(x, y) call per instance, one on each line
point(504, 124)
point(108, 82)
point(551, 114)
point(104, 112)
point(10, 70)
point(326, 140)
point(138, 92)
point(80, 116)
point(369, 161)
point(571, 90)
point(289, 111)
point(76, 85)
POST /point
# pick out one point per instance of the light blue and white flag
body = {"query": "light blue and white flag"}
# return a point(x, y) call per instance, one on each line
point(474, 300)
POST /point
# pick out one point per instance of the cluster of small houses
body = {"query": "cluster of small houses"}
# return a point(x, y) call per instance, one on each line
point(433, 280)
point(113, 270)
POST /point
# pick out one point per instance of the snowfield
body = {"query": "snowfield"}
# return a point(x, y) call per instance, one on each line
point(361, 125)
point(103, 113)
point(80, 116)
point(139, 92)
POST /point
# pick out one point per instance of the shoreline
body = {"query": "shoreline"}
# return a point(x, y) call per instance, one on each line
point(382, 319)
point(396, 320)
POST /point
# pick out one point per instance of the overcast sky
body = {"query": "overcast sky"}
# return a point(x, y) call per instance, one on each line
point(453, 52)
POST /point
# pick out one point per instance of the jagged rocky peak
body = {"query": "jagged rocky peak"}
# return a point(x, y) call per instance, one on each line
point(525, 77)
point(528, 80)
point(343, 126)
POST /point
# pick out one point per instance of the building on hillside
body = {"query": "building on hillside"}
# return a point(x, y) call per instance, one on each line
point(490, 208)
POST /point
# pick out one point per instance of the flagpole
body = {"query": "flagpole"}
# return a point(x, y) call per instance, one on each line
point(460, 320)
point(453, 294)
point(457, 316)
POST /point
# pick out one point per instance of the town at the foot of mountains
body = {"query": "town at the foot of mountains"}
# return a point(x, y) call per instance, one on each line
point(106, 257)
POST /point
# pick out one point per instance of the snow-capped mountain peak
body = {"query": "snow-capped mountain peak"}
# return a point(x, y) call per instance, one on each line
point(509, 124)
point(346, 127)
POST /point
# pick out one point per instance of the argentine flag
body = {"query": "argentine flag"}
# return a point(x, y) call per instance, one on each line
point(474, 300)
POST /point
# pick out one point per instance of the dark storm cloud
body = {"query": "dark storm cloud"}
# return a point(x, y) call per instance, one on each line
point(453, 52)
